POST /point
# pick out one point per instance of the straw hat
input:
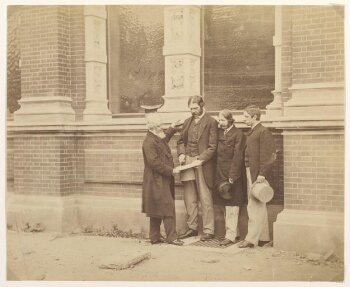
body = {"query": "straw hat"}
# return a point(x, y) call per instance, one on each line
point(262, 191)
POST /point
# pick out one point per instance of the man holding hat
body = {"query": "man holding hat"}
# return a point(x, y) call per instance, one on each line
point(260, 155)
point(230, 177)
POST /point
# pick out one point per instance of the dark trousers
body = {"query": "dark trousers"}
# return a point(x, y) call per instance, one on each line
point(169, 226)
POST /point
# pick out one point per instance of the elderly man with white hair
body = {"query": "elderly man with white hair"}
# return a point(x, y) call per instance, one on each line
point(158, 181)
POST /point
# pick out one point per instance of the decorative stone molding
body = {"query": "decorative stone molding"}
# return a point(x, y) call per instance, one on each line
point(96, 63)
point(275, 108)
point(316, 100)
point(45, 109)
point(182, 56)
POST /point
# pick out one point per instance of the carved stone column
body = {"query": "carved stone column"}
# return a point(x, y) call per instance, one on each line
point(182, 56)
point(275, 108)
point(95, 63)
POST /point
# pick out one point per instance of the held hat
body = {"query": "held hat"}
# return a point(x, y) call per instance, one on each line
point(224, 190)
point(262, 191)
point(151, 103)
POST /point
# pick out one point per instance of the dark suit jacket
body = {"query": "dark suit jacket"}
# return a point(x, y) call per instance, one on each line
point(158, 182)
point(207, 144)
point(230, 164)
point(260, 151)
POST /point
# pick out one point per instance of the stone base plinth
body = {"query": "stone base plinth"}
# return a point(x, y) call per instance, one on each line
point(72, 213)
point(96, 111)
point(57, 214)
point(310, 231)
point(45, 109)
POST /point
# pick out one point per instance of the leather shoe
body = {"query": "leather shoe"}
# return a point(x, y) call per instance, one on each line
point(246, 244)
point(161, 239)
point(263, 243)
point(177, 242)
point(206, 237)
point(188, 233)
point(225, 242)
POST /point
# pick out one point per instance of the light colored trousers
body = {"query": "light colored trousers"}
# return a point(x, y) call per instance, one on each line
point(195, 191)
point(231, 221)
point(258, 224)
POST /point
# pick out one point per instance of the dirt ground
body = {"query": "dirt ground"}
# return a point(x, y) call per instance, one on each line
point(48, 256)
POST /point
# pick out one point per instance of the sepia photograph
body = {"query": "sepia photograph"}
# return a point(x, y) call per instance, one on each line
point(174, 142)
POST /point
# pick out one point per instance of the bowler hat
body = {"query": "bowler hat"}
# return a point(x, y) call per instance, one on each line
point(262, 191)
point(224, 190)
point(150, 102)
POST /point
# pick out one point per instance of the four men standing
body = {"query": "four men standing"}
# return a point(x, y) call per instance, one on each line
point(197, 145)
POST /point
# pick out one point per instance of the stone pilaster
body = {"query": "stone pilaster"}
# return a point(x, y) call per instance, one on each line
point(313, 132)
point(44, 65)
point(96, 63)
point(182, 56)
point(275, 108)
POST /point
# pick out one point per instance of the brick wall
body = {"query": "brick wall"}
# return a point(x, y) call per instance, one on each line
point(92, 164)
point(114, 165)
point(9, 164)
point(278, 170)
point(314, 171)
point(44, 62)
point(317, 44)
point(52, 47)
point(44, 164)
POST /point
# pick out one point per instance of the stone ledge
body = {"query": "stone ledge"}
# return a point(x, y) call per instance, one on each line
point(310, 231)
point(57, 109)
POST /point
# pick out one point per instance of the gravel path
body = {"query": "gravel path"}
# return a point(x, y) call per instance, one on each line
point(48, 256)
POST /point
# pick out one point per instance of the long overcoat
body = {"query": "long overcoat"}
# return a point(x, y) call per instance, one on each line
point(230, 164)
point(207, 144)
point(260, 152)
point(158, 182)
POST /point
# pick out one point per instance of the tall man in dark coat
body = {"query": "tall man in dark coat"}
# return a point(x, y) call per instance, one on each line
point(197, 143)
point(158, 181)
point(260, 155)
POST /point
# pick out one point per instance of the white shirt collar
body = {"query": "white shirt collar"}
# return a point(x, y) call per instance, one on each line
point(228, 129)
point(200, 117)
point(253, 126)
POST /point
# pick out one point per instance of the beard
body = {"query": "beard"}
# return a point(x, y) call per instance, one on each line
point(197, 114)
point(159, 132)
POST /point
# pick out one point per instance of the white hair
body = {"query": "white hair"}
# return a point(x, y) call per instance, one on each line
point(153, 121)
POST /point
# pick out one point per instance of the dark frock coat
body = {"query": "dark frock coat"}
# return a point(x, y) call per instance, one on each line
point(207, 144)
point(260, 152)
point(230, 164)
point(158, 182)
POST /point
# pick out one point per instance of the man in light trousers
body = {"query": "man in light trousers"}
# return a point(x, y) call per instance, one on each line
point(260, 155)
